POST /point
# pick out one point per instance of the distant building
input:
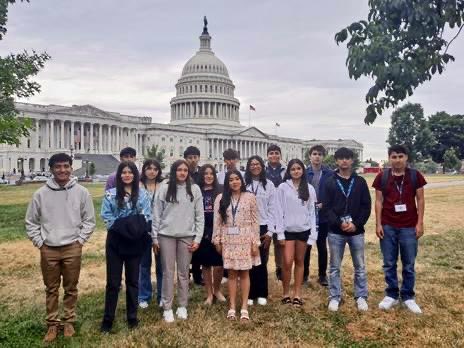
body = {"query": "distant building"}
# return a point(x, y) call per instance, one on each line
point(204, 113)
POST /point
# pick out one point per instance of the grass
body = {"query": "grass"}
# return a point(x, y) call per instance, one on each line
point(440, 280)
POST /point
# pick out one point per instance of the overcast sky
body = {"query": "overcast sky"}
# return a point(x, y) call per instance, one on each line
point(126, 56)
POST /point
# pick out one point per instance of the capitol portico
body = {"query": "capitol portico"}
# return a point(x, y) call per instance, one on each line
point(204, 113)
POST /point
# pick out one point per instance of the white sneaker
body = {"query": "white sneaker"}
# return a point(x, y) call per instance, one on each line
point(388, 303)
point(262, 301)
point(182, 313)
point(412, 306)
point(161, 304)
point(333, 305)
point(250, 302)
point(143, 304)
point(362, 304)
point(224, 280)
point(168, 316)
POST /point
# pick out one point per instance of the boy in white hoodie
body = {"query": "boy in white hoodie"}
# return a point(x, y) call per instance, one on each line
point(59, 220)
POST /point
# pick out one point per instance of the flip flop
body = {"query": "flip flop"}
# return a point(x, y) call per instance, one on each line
point(298, 302)
point(286, 300)
point(244, 316)
point(231, 315)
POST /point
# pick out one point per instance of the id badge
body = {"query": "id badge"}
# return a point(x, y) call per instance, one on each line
point(400, 208)
point(233, 230)
point(346, 219)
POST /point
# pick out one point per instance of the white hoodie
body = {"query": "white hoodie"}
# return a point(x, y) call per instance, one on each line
point(59, 216)
point(294, 214)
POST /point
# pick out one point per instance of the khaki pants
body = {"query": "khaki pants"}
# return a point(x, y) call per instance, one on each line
point(175, 251)
point(57, 262)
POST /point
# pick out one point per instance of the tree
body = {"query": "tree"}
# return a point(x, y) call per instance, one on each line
point(448, 132)
point(409, 128)
point(92, 169)
point(427, 166)
point(15, 73)
point(400, 46)
point(329, 161)
point(373, 163)
point(451, 160)
point(157, 154)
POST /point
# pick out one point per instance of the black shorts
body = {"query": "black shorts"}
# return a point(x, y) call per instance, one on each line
point(301, 236)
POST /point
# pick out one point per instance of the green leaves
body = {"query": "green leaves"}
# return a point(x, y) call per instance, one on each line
point(16, 71)
point(399, 46)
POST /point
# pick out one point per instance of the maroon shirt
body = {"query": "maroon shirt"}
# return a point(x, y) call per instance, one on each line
point(392, 197)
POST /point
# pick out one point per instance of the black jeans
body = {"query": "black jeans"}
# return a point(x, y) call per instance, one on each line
point(114, 263)
point(321, 250)
point(258, 274)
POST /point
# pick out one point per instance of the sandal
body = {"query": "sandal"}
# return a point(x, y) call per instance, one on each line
point(286, 300)
point(244, 316)
point(298, 302)
point(231, 314)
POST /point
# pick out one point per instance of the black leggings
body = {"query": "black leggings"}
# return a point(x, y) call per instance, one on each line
point(321, 252)
point(258, 274)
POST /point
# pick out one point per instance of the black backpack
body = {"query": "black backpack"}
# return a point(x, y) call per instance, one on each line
point(386, 174)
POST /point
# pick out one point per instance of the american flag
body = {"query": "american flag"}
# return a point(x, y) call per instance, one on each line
point(252, 108)
point(277, 124)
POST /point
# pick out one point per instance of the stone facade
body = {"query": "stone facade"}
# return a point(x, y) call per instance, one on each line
point(204, 113)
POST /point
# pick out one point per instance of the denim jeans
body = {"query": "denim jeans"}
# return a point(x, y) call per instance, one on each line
point(145, 287)
point(337, 244)
point(400, 241)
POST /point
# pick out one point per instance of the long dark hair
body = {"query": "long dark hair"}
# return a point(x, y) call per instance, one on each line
point(201, 182)
point(147, 163)
point(262, 175)
point(171, 194)
point(303, 191)
point(120, 190)
point(227, 193)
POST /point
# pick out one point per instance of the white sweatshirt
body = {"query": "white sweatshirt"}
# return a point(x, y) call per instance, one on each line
point(267, 203)
point(294, 214)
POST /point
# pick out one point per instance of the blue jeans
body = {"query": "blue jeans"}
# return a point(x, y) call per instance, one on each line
point(400, 241)
point(337, 244)
point(145, 287)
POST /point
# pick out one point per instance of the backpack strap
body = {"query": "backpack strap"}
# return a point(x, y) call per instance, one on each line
point(413, 173)
point(385, 175)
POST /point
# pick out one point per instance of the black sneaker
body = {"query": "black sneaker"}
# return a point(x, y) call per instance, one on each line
point(132, 323)
point(323, 281)
point(106, 326)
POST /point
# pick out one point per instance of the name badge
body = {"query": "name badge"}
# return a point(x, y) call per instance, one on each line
point(233, 230)
point(346, 219)
point(400, 208)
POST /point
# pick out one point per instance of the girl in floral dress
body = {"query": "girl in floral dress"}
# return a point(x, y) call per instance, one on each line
point(236, 237)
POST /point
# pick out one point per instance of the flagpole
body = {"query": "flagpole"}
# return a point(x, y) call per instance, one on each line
point(249, 117)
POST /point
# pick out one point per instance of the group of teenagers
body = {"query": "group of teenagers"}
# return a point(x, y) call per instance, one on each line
point(225, 222)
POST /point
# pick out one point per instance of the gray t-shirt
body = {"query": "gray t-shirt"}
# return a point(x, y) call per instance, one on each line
point(316, 179)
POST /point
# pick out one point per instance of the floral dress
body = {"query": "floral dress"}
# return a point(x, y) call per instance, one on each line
point(236, 247)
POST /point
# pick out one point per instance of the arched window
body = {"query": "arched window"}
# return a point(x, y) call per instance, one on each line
point(196, 88)
point(215, 89)
point(201, 88)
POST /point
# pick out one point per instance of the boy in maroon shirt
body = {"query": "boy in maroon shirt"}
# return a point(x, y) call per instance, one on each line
point(399, 225)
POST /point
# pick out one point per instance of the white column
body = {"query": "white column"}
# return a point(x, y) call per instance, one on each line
point(72, 144)
point(82, 147)
point(52, 134)
point(91, 138)
point(62, 134)
point(110, 140)
point(118, 148)
point(100, 138)
point(46, 140)
point(36, 135)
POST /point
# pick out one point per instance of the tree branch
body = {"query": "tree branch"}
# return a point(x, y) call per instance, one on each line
point(455, 36)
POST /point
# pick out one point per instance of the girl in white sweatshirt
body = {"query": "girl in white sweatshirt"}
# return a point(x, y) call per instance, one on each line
point(296, 226)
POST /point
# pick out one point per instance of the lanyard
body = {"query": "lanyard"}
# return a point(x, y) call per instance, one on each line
point(234, 209)
point(400, 187)
point(255, 192)
point(346, 194)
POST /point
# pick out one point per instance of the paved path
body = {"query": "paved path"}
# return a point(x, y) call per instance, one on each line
point(445, 184)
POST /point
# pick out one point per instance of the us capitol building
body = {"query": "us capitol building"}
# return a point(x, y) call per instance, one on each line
point(204, 113)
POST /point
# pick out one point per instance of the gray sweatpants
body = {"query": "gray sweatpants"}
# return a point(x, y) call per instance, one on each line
point(175, 250)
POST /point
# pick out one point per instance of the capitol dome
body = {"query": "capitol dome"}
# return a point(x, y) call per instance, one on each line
point(205, 92)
